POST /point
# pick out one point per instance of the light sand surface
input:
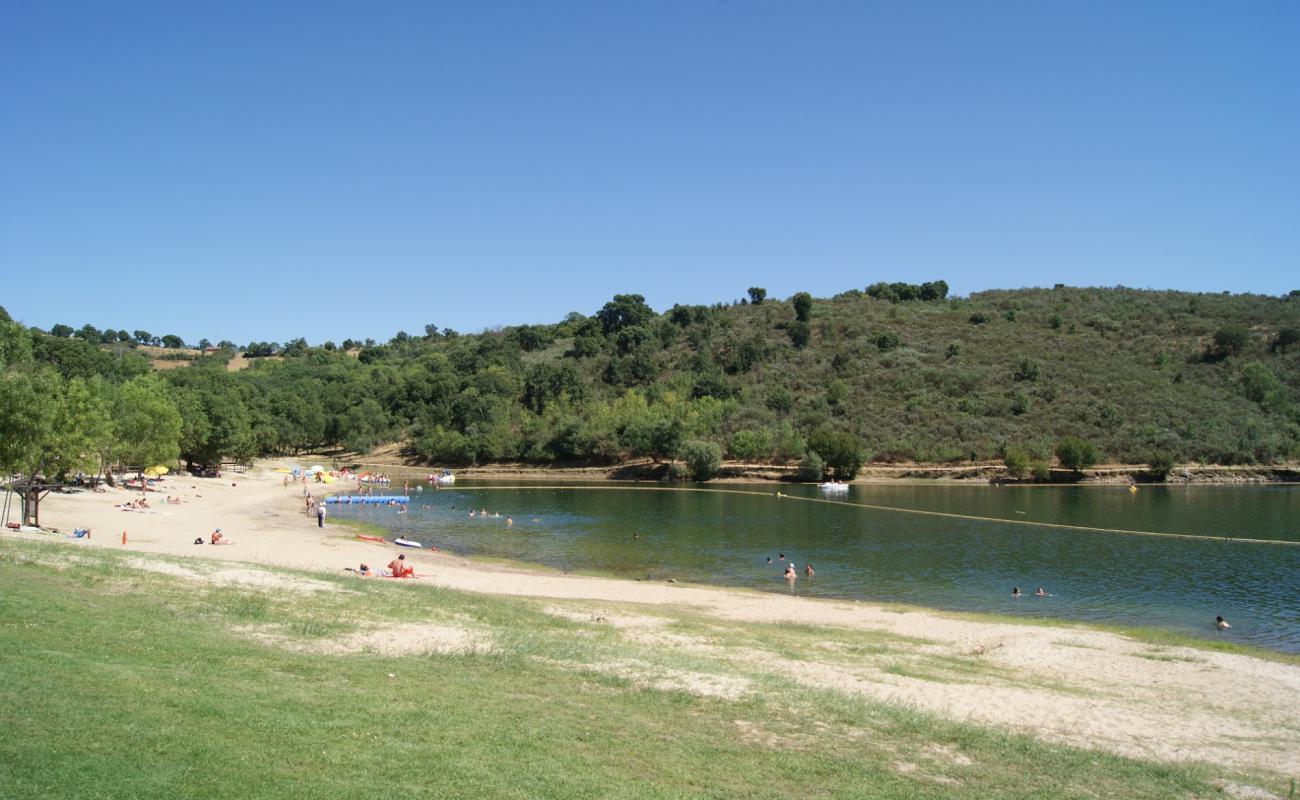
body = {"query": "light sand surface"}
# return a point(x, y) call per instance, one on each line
point(1066, 684)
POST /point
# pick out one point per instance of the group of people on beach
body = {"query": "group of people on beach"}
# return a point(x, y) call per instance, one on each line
point(397, 568)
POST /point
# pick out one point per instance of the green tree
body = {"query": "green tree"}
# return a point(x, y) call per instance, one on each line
point(625, 310)
point(82, 429)
point(703, 459)
point(840, 450)
point(802, 302)
point(146, 424)
point(1076, 454)
point(757, 295)
point(51, 427)
point(15, 345)
point(750, 444)
point(28, 406)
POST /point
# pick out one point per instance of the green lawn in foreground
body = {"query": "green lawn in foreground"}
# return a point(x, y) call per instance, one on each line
point(119, 683)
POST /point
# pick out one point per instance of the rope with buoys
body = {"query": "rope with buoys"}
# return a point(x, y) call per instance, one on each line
point(893, 509)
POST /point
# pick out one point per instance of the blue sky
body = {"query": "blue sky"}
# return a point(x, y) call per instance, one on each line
point(331, 170)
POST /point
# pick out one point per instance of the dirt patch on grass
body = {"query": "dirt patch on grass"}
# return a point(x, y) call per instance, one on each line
point(654, 676)
point(233, 576)
point(389, 640)
point(616, 620)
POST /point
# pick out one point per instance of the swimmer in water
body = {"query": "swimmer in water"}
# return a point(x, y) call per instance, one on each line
point(1040, 592)
point(769, 559)
point(1015, 591)
point(1221, 623)
point(781, 557)
point(790, 574)
point(471, 513)
point(808, 570)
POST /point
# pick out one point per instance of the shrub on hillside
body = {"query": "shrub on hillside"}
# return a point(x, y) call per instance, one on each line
point(1285, 338)
point(812, 468)
point(1259, 384)
point(842, 451)
point(1159, 465)
point(800, 333)
point(1027, 371)
point(703, 459)
point(1229, 340)
point(1016, 461)
point(1076, 454)
point(886, 341)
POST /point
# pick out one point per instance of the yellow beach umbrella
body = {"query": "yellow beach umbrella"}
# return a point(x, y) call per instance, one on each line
point(283, 469)
point(325, 477)
point(156, 470)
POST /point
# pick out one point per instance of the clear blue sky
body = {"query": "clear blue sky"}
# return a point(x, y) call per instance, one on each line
point(266, 170)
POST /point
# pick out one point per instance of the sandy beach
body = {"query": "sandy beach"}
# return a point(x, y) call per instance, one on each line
point(1067, 684)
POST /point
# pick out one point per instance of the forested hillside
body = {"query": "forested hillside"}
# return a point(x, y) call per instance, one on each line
point(896, 372)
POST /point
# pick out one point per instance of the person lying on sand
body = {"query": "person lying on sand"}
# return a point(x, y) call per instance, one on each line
point(400, 569)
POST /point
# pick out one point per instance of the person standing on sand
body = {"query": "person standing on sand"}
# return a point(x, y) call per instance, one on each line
point(320, 515)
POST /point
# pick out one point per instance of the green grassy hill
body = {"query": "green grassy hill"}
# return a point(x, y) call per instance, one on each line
point(1135, 372)
point(1140, 375)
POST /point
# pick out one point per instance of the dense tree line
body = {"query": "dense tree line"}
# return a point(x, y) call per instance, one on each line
point(896, 372)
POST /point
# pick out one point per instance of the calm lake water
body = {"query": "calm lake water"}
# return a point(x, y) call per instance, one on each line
point(961, 564)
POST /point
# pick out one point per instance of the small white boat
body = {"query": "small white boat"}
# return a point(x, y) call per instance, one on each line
point(406, 542)
point(833, 487)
